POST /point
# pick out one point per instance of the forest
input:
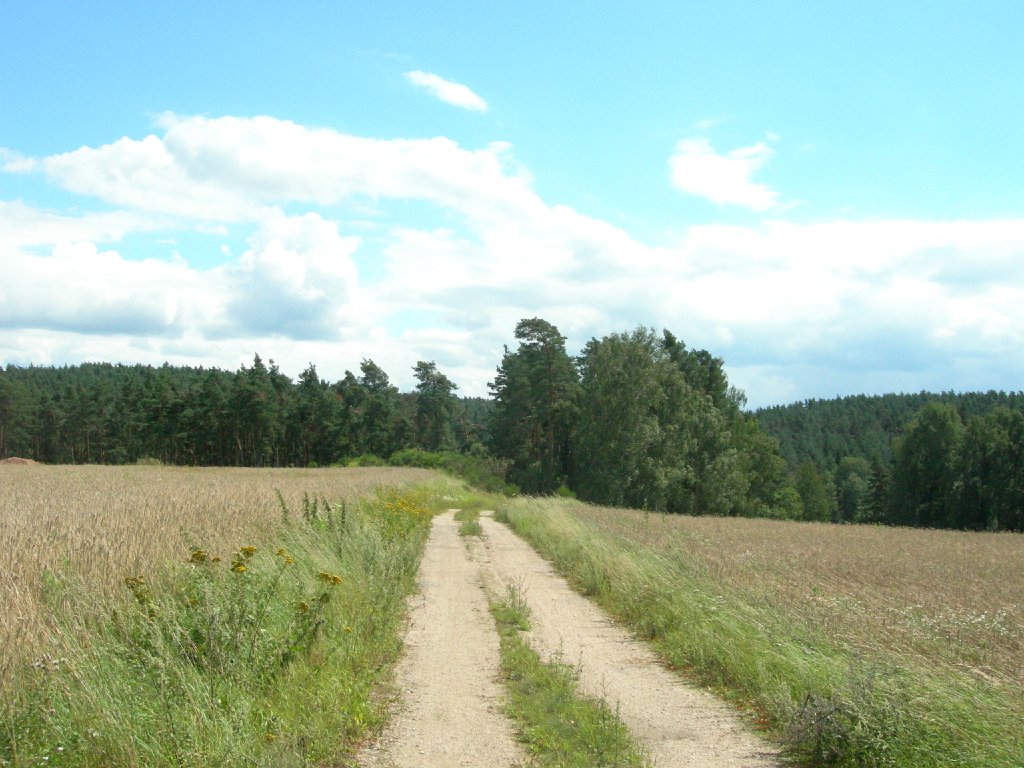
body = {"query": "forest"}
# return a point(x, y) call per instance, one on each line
point(636, 419)
point(100, 413)
point(937, 460)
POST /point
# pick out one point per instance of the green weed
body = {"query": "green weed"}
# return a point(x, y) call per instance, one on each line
point(560, 726)
point(469, 522)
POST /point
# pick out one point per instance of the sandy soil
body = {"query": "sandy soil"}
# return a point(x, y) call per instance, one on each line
point(448, 677)
point(678, 725)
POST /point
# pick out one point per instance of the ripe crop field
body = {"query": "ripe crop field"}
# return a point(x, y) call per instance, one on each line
point(105, 523)
point(854, 645)
point(934, 597)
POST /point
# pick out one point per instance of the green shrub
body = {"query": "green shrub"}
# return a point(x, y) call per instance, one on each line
point(485, 474)
point(367, 460)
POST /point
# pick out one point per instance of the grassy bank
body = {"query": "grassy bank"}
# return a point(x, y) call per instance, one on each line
point(106, 522)
point(262, 653)
point(837, 692)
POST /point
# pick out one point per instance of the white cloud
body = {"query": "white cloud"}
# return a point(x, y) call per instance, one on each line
point(13, 162)
point(455, 94)
point(298, 280)
point(235, 169)
point(23, 226)
point(147, 175)
point(696, 168)
point(795, 309)
point(78, 288)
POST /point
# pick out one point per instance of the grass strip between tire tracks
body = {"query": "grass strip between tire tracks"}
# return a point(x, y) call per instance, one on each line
point(560, 727)
point(469, 522)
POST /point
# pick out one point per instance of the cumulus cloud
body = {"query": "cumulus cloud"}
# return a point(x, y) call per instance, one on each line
point(237, 169)
point(455, 94)
point(147, 175)
point(696, 168)
point(14, 162)
point(298, 280)
point(795, 309)
point(22, 226)
point(80, 289)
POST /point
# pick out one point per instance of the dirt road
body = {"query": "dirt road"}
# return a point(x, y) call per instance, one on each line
point(680, 726)
point(448, 678)
point(451, 713)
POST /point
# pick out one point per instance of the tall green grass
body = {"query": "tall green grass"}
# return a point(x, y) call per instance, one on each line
point(828, 705)
point(265, 656)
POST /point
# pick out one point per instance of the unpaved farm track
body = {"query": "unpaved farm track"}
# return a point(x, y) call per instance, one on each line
point(678, 725)
point(451, 698)
point(451, 711)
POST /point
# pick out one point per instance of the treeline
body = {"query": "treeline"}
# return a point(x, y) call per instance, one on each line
point(256, 416)
point(636, 420)
point(937, 460)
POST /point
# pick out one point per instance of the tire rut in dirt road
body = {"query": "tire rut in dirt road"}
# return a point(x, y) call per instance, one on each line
point(679, 726)
point(448, 677)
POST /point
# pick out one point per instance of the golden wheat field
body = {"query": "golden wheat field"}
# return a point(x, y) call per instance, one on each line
point(105, 523)
point(940, 597)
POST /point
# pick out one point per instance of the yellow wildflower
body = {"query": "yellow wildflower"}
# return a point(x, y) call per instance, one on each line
point(198, 556)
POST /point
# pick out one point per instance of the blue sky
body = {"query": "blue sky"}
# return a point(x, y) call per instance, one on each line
point(826, 195)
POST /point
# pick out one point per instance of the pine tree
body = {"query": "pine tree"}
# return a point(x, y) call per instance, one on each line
point(535, 392)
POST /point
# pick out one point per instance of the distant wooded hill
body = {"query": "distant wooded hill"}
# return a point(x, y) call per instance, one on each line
point(943, 460)
point(636, 419)
point(823, 432)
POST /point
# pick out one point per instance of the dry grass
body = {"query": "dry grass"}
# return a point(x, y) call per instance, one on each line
point(108, 522)
point(938, 597)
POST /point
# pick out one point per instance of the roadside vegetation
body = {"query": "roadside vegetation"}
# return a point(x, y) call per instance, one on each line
point(259, 634)
point(559, 726)
point(477, 469)
point(469, 522)
point(104, 523)
point(855, 646)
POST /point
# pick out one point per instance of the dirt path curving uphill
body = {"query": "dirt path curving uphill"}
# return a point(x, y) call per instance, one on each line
point(680, 726)
point(451, 711)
